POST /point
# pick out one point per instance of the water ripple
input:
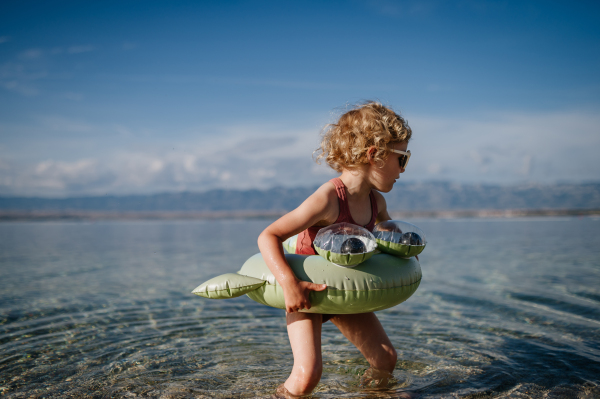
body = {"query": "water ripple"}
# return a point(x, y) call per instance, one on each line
point(117, 320)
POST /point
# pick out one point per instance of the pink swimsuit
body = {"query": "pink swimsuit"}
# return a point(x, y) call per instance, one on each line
point(304, 245)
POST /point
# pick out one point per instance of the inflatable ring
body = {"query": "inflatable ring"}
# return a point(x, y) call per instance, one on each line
point(378, 283)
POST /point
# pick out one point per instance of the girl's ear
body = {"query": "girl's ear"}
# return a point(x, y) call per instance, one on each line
point(371, 154)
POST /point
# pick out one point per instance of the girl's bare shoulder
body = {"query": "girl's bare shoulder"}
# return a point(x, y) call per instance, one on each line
point(325, 201)
point(327, 191)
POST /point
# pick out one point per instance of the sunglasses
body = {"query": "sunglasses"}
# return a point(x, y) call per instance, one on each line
point(403, 160)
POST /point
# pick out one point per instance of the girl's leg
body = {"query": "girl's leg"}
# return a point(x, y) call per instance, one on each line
point(304, 331)
point(367, 334)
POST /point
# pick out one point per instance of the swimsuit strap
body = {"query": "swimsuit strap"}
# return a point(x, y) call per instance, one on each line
point(345, 215)
point(340, 189)
point(374, 212)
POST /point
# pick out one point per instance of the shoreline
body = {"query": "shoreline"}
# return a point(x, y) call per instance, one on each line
point(76, 215)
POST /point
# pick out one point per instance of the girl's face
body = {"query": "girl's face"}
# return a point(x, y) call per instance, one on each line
point(384, 177)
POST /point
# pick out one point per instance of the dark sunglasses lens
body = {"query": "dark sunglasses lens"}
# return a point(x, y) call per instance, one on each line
point(402, 161)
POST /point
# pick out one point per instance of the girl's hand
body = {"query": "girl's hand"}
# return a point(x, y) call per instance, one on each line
point(296, 295)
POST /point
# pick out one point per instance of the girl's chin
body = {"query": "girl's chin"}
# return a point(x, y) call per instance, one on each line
point(386, 189)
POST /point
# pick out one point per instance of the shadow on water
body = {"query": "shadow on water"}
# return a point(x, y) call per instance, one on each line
point(104, 311)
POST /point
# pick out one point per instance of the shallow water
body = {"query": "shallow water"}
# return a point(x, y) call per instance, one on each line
point(507, 308)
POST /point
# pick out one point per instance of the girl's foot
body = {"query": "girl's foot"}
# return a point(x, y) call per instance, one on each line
point(283, 393)
point(375, 379)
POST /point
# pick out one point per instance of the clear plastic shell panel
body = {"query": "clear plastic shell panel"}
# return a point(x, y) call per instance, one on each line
point(345, 244)
point(399, 238)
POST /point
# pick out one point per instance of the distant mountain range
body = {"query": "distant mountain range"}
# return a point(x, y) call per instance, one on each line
point(431, 196)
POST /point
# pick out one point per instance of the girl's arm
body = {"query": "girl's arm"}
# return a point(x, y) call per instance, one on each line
point(319, 208)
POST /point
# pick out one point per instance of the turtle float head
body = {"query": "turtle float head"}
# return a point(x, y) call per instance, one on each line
point(345, 244)
point(399, 238)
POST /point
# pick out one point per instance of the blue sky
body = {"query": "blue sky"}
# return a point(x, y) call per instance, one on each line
point(142, 97)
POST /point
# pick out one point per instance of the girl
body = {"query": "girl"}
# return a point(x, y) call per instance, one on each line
point(368, 145)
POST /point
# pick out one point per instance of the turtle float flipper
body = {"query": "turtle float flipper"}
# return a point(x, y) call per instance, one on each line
point(229, 285)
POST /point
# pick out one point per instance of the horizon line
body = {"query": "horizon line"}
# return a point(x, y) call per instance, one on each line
point(19, 216)
point(189, 191)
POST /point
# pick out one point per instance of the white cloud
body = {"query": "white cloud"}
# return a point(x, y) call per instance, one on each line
point(502, 148)
point(53, 177)
point(61, 175)
point(527, 165)
point(255, 157)
point(434, 169)
point(505, 148)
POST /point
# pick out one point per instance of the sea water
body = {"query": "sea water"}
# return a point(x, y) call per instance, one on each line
point(506, 308)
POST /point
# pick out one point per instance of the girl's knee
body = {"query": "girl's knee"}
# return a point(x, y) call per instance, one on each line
point(311, 378)
point(303, 380)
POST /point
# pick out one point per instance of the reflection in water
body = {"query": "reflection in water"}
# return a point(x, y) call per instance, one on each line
point(506, 308)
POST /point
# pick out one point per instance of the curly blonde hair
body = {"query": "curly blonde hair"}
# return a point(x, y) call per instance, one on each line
point(344, 144)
